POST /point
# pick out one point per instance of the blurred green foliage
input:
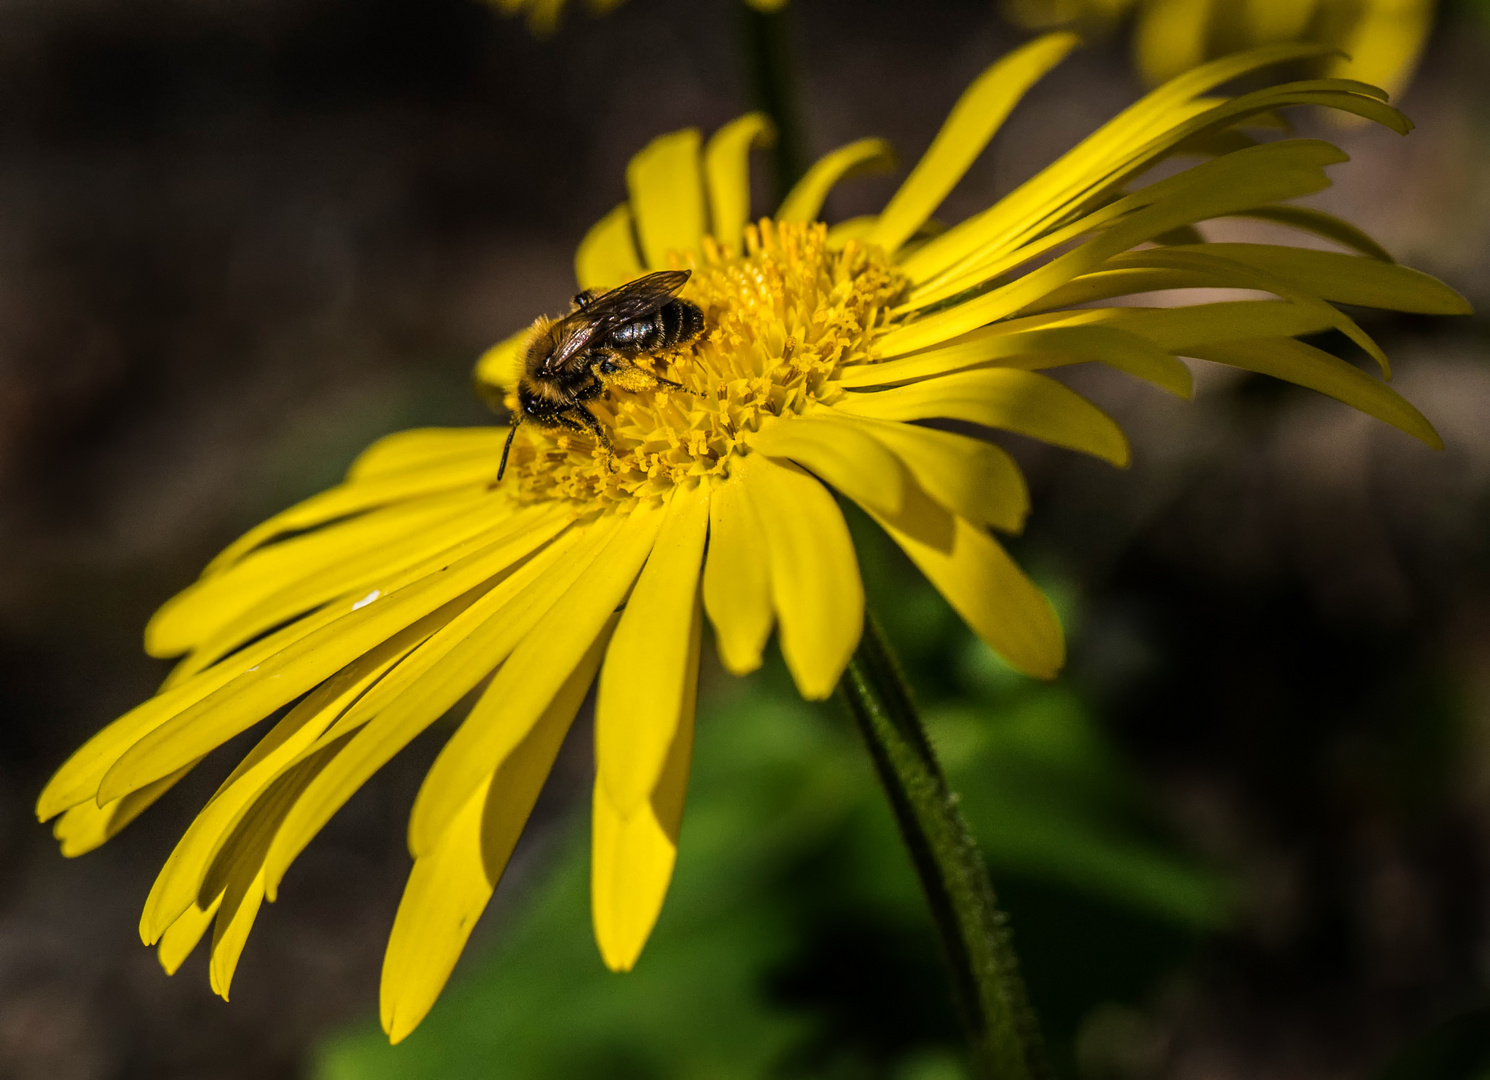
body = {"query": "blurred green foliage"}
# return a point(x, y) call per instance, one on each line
point(795, 941)
point(1456, 1050)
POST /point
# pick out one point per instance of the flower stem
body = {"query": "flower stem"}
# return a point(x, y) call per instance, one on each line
point(775, 87)
point(987, 984)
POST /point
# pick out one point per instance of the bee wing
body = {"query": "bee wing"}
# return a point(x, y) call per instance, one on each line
point(573, 334)
point(579, 330)
point(636, 299)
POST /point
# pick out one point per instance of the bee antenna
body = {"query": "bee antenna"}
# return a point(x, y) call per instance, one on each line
point(506, 449)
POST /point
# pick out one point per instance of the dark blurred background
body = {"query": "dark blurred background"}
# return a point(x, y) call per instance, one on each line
point(1246, 835)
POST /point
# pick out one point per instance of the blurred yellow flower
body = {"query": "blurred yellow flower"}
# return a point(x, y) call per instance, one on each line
point(371, 610)
point(543, 16)
point(1381, 39)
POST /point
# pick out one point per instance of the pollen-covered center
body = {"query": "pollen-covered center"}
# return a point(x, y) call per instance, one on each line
point(781, 321)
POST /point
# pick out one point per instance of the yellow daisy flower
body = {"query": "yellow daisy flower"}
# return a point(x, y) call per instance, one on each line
point(371, 610)
point(1381, 39)
point(543, 16)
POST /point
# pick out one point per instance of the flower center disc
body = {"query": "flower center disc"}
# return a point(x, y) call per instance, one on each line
point(781, 321)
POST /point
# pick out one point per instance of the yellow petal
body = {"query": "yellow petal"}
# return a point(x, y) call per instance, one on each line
point(180, 879)
point(1144, 134)
point(423, 448)
point(237, 873)
point(1033, 350)
point(276, 584)
point(1221, 186)
point(968, 476)
point(606, 258)
point(246, 692)
point(235, 918)
point(476, 471)
point(1384, 45)
point(840, 454)
point(815, 584)
point(632, 857)
point(182, 936)
point(727, 172)
point(430, 681)
point(667, 196)
point(1018, 401)
point(1305, 365)
point(533, 674)
point(805, 200)
point(446, 893)
point(240, 856)
point(1309, 220)
point(1347, 279)
point(1171, 37)
point(1234, 273)
point(855, 228)
point(449, 888)
point(737, 584)
point(643, 682)
point(984, 586)
point(1179, 329)
point(87, 825)
point(979, 112)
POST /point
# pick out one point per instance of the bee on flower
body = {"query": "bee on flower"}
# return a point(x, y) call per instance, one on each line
point(702, 485)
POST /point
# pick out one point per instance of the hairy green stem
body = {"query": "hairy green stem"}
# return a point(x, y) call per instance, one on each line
point(775, 87)
point(985, 971)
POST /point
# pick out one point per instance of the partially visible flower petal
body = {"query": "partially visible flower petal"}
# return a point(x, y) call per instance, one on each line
point(1142, 135)
point(544, 657)
point(180, 880)
point(667, 196)
point(449, 888)
point(727, 173)
point(88, 825)
point(805, 200)
point(840, 454)
point(239, 692)
point(1308, 219)
point(1384, 44)
point(984, 586)
point(1261, 174)
point(815, 583)
point(431, 680)
point(979, 112)
point(1033, 349)
point(181, 938)
point(1018, 401)
point(606, 257)
point(643, 683)
point(1301, 363)
point(431, 449)
point(632, 855)
point(1171, 37)
point(356, 559)
point(737, 583)
point(466, 470)
point(970, 477)
point(236, 875)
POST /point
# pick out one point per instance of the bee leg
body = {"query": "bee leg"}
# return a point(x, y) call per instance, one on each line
point(587, 422)
point(507, 449)
point(584, 299)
